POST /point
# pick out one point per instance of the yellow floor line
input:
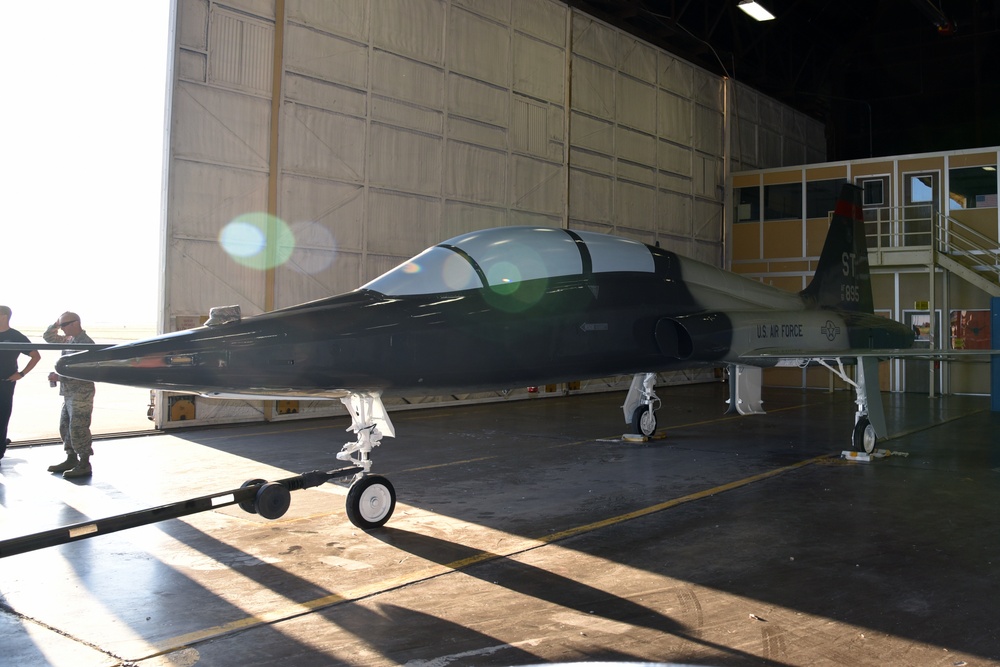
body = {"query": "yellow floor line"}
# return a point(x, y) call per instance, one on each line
point(518, 546)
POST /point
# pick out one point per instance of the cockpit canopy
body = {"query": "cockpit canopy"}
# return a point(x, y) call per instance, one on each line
point(504, 255)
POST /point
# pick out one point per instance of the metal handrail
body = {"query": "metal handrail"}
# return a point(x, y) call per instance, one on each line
point(896, 227)
point(956, 238)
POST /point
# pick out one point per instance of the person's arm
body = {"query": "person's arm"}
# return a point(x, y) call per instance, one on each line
point(51, 335)
point(33, 360)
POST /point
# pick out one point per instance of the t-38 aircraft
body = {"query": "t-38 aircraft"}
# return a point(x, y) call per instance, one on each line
point(528, 306)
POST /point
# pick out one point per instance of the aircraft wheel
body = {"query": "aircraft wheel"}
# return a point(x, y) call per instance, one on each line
point(370, 502)
point(249, 506)
point(864, 436)
point(644, 421)
point(273, 500)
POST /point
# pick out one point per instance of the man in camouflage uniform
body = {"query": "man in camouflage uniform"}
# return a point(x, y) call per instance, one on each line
point(78, 402)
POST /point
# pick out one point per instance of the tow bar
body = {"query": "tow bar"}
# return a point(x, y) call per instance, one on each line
point(256, 496)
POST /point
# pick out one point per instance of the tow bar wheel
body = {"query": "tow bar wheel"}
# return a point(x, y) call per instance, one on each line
point(370, 502)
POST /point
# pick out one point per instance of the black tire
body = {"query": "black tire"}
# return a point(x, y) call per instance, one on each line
point(370, 502)
point(249, 506)
point(864, 437)
point(273, 500)
point(644, 421)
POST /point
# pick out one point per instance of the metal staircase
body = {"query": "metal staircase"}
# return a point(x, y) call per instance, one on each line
point(896, 240)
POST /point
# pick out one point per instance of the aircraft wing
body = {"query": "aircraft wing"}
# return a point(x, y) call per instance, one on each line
point(28, 347)
point(802, 355)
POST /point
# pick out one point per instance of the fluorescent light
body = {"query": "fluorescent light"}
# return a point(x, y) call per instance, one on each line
point(755, 10)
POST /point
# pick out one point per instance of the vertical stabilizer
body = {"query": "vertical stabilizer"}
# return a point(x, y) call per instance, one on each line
point(843, 279)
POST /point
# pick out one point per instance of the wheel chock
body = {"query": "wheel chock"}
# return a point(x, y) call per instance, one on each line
point(864, 457)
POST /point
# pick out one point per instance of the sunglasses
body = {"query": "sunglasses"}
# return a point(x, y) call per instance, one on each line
point(63, 325)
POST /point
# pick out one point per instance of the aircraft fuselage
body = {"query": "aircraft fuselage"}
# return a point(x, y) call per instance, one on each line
point(671, 313)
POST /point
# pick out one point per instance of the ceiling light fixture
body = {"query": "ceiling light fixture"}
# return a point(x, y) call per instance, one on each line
point(755, 10)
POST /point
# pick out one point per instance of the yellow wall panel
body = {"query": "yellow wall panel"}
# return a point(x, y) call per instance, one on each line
point(973, 160)
point(746, 180)
point(750, 267)
point(788, 267)
point(933, 163)
point(787, 283)
point(869, 168)
point(782, 377)
point(783, 238)
point(746, 241)
point(826, 173)
point(815, 236)
point(983, 220)
point(779, 177)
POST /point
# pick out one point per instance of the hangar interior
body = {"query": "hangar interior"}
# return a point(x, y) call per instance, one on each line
point(313, 145)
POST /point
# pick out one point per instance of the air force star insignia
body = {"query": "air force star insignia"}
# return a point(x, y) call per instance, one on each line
point(830, 330)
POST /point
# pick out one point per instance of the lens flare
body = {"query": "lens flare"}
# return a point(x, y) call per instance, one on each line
point(509, 290)
point(504, 277)
point(315, 248)
point(258, 240)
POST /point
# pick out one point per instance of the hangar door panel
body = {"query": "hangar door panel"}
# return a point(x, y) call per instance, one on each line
point(647, 128)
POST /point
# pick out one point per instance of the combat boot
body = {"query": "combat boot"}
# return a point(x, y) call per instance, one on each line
point(68, 464)
point(81, 469)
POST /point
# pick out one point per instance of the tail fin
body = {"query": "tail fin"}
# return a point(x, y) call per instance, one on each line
point(843, 279)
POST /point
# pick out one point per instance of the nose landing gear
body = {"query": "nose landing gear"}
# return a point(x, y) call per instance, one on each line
point(371, 498)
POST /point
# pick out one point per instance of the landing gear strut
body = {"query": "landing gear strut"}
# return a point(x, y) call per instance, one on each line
point(641, 404)
point(371, 498)
point(869, 420)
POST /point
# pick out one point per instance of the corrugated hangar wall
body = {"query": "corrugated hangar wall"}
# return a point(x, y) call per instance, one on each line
point(353, 134)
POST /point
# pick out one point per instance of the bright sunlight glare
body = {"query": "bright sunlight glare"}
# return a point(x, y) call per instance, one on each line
point(83, 121)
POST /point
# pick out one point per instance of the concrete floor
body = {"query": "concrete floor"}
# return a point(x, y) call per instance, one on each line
point(524, 533)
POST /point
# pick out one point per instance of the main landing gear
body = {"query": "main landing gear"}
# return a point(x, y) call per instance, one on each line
point(641, 404)
point(371, 498)
point(869, 420)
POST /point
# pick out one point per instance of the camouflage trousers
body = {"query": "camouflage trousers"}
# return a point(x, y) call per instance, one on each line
point(74, 423)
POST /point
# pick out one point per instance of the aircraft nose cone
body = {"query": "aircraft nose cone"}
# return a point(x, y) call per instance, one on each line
point(78, 366)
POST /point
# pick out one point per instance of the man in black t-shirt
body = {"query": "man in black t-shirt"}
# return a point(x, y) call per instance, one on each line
point(9, 373)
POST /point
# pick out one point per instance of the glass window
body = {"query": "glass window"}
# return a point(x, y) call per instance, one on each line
point(874, 192)
point(972, 187)
point(434, 271)
point(821, 197)
point(921, 189)
point(612, 253)
point(513, 254)
point(747, 202)
point(508, 255)
point(783, 202)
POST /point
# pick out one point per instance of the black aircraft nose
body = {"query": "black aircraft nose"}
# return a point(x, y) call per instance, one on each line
point(80, 366)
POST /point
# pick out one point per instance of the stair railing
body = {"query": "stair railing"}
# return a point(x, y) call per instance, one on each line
point(899, 226)
point(968, 246)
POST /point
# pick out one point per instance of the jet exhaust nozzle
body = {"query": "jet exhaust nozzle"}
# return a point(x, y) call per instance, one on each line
point(702, 337)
